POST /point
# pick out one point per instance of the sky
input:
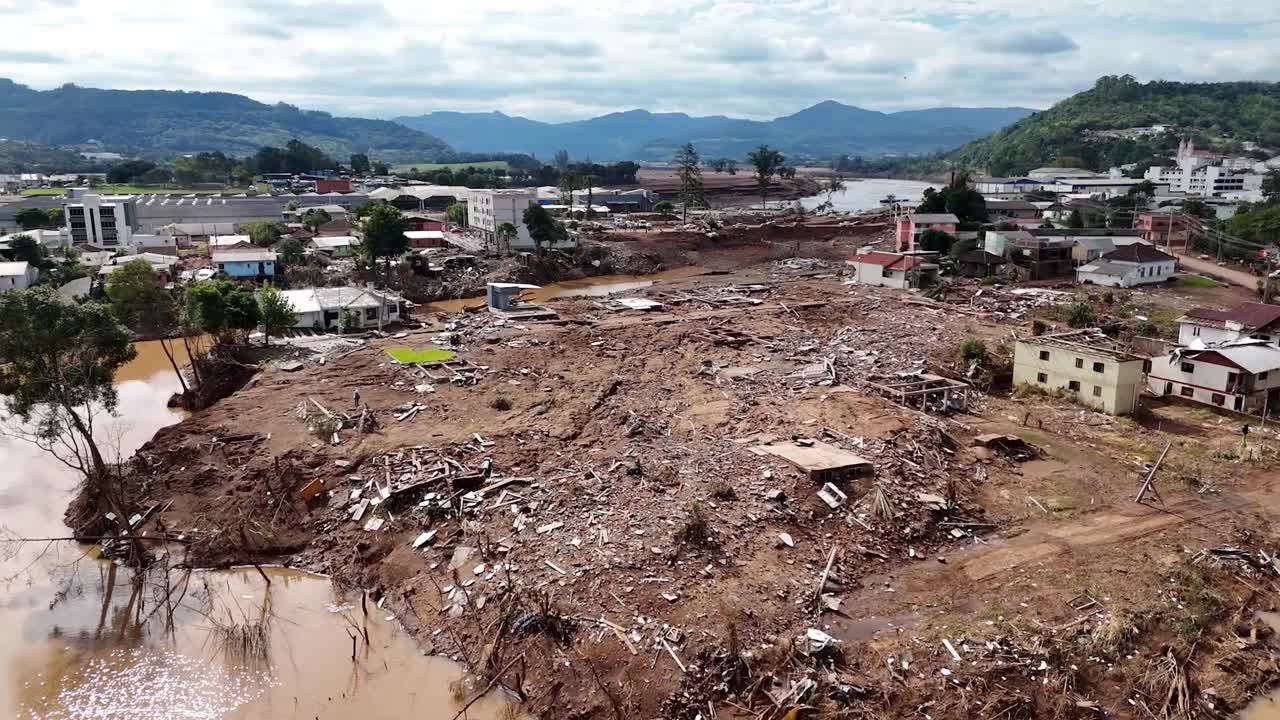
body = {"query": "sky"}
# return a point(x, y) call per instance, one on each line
point(558, 60)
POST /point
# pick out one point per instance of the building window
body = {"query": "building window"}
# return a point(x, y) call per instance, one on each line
point(1187, 392)
point(1099, 367)
point(1080, 363)
point(1219, 399)
point(1044, 355)
point(1074, 386)
point(1042, 378)
point(1262, 376)
point(1097, 391)
point(1188, 367)
point(371, 313)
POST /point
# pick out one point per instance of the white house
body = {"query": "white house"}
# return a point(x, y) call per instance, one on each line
point(322, 308)
point(1256, 321)
point(1241, 375)
point(892, 270)
point(1129, 265)
point(17, 275)
point(336, 246)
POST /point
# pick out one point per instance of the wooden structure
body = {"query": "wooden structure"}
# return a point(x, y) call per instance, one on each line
point(928, 392)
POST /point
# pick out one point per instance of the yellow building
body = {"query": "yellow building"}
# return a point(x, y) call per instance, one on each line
point(1086, 365)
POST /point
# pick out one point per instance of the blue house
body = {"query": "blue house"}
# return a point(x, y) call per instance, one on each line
point(246, 263)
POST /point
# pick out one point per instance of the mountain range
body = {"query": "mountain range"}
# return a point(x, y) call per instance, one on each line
point(821, 131)
point(164, 123)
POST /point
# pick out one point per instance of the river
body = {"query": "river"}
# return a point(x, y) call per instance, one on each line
point(866, 193)
point(78, 639)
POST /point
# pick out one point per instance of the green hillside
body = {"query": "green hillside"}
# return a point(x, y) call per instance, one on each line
point(164, 123)
point(1222, 114)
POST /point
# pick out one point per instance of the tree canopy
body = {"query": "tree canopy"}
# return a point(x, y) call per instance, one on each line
point(545, 230)
point(263, 232)
point(383, 227)
point(689, 170)
point(221, 308)
point(969, 206)
point(276, 311)
point(767, 163)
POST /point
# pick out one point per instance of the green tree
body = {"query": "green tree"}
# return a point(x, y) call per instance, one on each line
point(1075, 220)
point(767, 163)
point(291, 252)
point(664, 206)
point(830, 188)
point(24, 248)
point(1146, 188)
point(381, 168)
point(31, 218)
point(315, 218)
point(456, 214)
point(360, 164)
point(61, 360)
point(935, 241)
point(220, 308)
point(275, 310)
point(689, 170)
point(134, 293)
point(731, 166)
point(263, 232)
point(130, 171)
point(383, 228)
point(1271, 186)
point(56, 217)
point(718, 165)
point(348, 320)
point(506, 233)
point(544, 229)
point(561, 160)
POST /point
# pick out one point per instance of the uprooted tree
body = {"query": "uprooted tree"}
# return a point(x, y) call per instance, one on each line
point(61, 360)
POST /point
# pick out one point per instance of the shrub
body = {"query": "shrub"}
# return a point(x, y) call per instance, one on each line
point(722, 490)
point(1080, 315)
point(1038, 327)
point(695, 530)
point(502, 403)
point(1108, 297)
point(973, 350)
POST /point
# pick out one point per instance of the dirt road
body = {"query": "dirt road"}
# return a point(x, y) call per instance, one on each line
point(1207, 267)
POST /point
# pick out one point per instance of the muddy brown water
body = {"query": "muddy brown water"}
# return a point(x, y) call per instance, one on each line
point(80, 639)
point(598, 286)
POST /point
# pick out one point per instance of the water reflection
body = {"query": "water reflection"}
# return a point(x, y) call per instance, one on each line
point(866, 194)
point(85, 639)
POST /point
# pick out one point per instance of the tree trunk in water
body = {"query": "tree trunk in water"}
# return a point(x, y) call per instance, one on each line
point(195, 364)
point(100, 478)
point(164, 345)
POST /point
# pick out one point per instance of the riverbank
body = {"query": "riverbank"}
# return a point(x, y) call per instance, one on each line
point(587, 510)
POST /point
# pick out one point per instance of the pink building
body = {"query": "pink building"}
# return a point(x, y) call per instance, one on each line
point(911, 226)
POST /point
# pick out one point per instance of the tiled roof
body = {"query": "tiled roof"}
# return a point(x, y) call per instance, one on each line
point(1137, 252)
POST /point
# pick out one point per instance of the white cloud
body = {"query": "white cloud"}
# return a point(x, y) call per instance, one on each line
point(560, 59)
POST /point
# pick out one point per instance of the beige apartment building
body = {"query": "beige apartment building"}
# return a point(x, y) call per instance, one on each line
point(1087, 365)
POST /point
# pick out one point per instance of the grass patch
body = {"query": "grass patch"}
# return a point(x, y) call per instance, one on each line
point(408, 356)
point(35, 192)
point(428, 166)
point(1198, 281)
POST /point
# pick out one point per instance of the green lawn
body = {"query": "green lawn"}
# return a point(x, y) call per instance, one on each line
point(32, 192)
point(408, 356)
point(1198, 281)
point(424, 167)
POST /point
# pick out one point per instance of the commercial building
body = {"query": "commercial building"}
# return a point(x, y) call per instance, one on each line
point(421, 198)
point(911, 227)
point(489, 209)
point(246, 263)
point(323, 308)
point(1128, 266)
point(892, 270)
point(17, 275)
point(1085, 364)
point(1196, 172)
point(1241, 375)
point(101, 221)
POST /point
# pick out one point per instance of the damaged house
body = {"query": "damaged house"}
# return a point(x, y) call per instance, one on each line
point(892, 270)
point(1088, 366)
point(1241, 375)
point(323, 308)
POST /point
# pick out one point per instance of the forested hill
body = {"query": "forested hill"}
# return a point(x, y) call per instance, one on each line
point(1218, 113)
point(164, 123)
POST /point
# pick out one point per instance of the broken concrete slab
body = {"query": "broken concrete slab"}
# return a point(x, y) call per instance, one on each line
point(822, 462)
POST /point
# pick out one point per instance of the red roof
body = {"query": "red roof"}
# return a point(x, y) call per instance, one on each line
point(1252, 316)
point(889, 261)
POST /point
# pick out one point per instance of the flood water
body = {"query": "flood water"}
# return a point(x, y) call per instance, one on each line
point(79, 638)
point(598, 286)
point(866, 194)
